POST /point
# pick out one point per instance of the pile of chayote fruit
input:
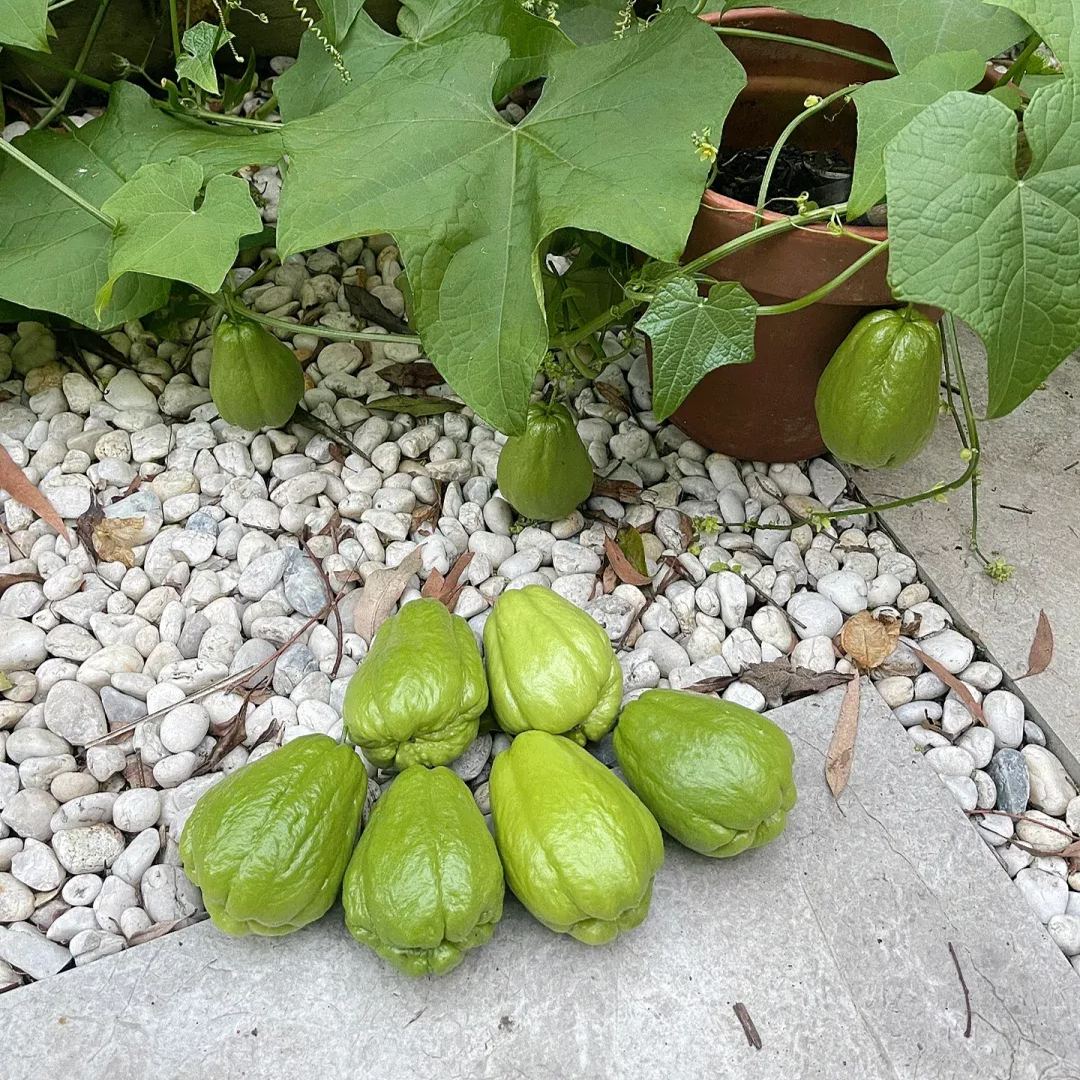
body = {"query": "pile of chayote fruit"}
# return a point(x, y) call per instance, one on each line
point(272, 844)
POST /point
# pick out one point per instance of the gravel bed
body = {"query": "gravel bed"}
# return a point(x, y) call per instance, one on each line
point(233, 538)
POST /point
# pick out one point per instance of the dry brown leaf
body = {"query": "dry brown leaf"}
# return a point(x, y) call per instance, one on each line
point(625, 491)
point(951, 681)
point(778, 681)
point(414, 375)
point(714, 685)
point(381, 592)
point(114, 539)
point(869, 641)
point(612, 396)
point(623, 567)
point(13, 480)
point(7, 580)
point(1042, 648)
point(841, 753)
point(447, 589)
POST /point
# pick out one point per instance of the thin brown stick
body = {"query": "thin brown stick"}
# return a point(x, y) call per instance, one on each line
point(749, 1030)
point(964, 987)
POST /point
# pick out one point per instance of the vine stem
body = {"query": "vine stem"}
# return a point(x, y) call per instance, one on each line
point(806, 43)
point(323, 331)
point(60, 104)
point(221, 118)
point(46, 61)
point(1018, 68)
point(56, 183)
point(834, 283)
point(781, 142)
point(174, 26)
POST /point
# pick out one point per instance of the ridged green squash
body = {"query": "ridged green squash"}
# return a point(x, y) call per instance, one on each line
point(425, 883)
point(579, 849)
point(877, 400)
point(268, 844)
point(255, 379)
point(545, 473)
point(716, 775)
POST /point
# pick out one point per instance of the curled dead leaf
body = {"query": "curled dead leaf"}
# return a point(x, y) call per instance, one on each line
point(1042, 648)
point(841, 753)
point(869, 640)
point(381, 592)
point(627, 556)
point(115, 538)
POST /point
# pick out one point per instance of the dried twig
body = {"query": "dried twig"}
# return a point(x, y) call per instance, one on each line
point(964, 987)
point(749, 1030)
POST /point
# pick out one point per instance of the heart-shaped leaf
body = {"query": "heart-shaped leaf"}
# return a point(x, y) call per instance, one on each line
point(998, 249)
point(159, 232)
point(1057, 23)
point(692, 335)
point(201, 42)
point(25, 23)
point(420, 152)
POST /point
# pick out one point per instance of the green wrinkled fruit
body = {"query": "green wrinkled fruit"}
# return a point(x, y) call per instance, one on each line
point(550, 666)
point(546, 472)
point(417, 697)
point(716, 775)
point(268, 844)
point(579, 848)
point(255, 379)
point(877, 400)
point(425, 883)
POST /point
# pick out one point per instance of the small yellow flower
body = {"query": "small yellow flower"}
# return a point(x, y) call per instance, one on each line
point(702, 141)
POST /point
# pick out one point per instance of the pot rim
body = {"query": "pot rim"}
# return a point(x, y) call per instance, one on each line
point(713, 200)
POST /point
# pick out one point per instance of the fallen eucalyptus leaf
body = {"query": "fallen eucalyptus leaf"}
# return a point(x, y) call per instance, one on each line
point(415, 405)
point(951, 681)
point(7, 580)
point(1042, 648)
point(625, 556)
point(841, 753)
point(413, 376)
point(868, 640)
point(446, 589)
point(381, 592)
point(366, 305)
point(778, 681)
point(13, 480)
point(625, 491)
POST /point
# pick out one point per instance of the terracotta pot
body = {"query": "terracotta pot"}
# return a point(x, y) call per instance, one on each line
point(764, 411)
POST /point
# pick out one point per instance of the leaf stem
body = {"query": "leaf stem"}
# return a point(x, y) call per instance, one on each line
point(1018, 68)
point(174, 26)
point(56, 183)
point(46, 61)
point(823, 290)
point(781, 142)
point(324, 331)
point(820, 46)
point(221, 118)
point(60, 104)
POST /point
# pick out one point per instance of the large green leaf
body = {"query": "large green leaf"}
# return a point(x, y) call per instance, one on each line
point(421, 153)
point(888, 105)
point(338, 16)
point(55, 255)
point(313, 82)
point(1057, 21)
point(692, 335)
point(914, 30)
point(25, 23)
point(160, 232)
point(999, 250)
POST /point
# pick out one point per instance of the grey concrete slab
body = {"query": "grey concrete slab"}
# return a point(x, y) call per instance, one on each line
point(835, 938)
point(1029, 509)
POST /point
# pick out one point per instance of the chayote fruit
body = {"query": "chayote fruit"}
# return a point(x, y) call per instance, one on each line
point(716, 775)
point(255, 379)
point(268, 844)
point(579, 848)
point(545, 472)
point(877, 400)
point(550, 666)
point(417, 697)
point(425, 883)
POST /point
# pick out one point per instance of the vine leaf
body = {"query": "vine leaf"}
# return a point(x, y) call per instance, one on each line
point(56, 256)
point(159, 232)
point(25, 23)
point(914, 31)
point(886, 106)
point(999, 250)
point(200, 43)
point(693, 335)
point(420, 152)
point(1056, 21)
point(338, 16)
point(313, 83)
